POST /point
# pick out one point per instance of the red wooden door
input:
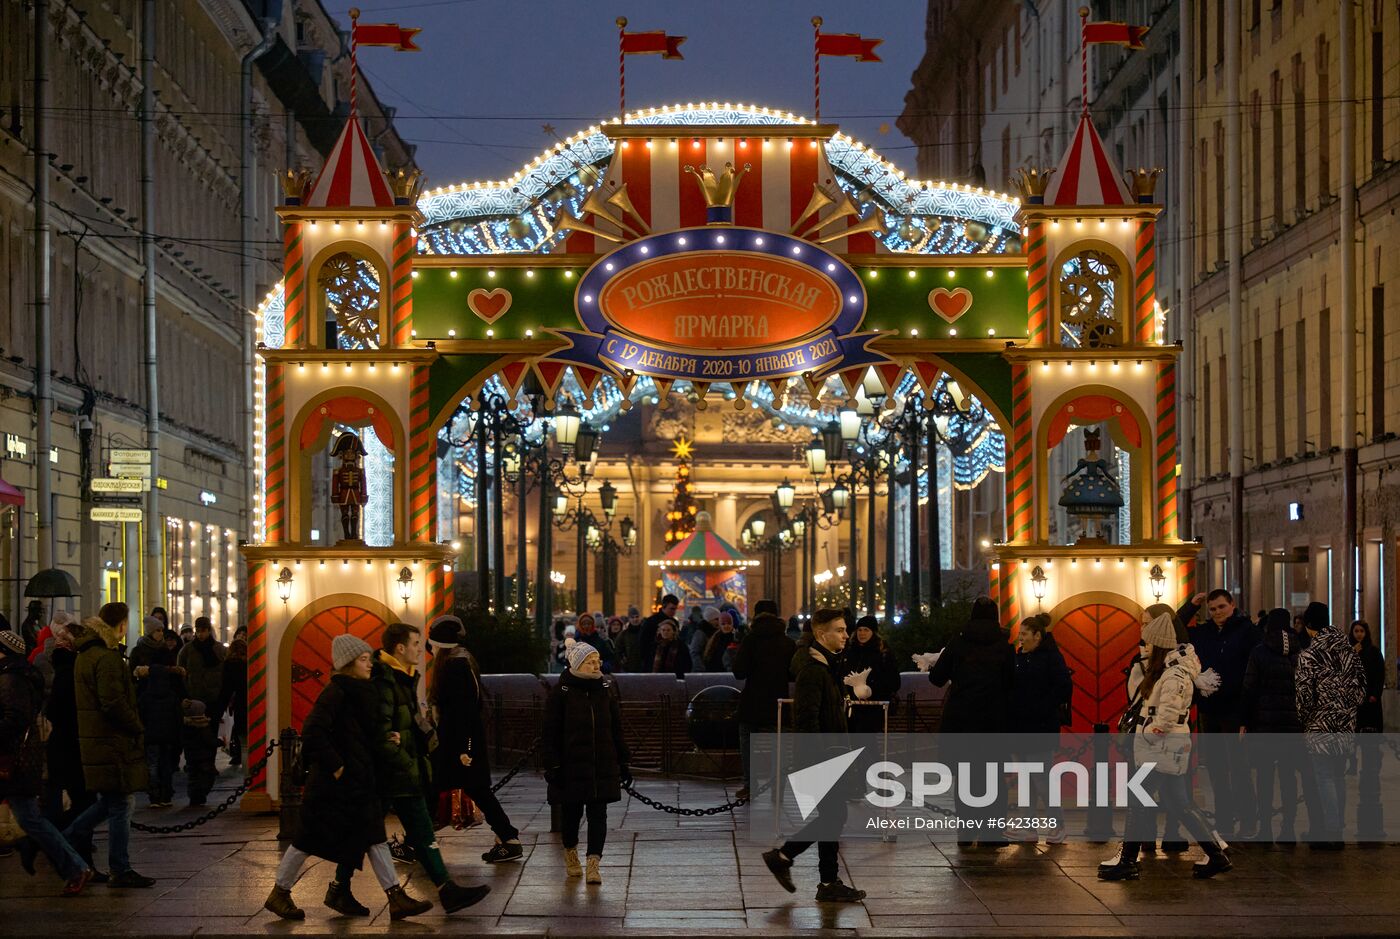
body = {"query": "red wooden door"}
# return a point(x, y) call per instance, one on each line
point(311, 657)
point(1098, 641)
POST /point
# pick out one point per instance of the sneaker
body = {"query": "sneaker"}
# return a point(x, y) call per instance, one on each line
point(1215, 863)
point(504, 851)
point(76, 885)
point(1123, 870)
point(130, 879)
point(837, 892)
point(781, 869)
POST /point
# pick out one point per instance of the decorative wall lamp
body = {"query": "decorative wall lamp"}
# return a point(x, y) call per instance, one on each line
point(1158, 579)
point(284, 584)
point(1038, 584)
point(405, 583)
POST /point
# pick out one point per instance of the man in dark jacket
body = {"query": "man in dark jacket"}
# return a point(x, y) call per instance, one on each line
point(1223, 644)
point(110, 737)
point(1267, 706)
point(819, 707)
point(160, 688)
point(203, 661)
point(762, 664)
point(669, 605)
point(402, 770)
point(461, 760)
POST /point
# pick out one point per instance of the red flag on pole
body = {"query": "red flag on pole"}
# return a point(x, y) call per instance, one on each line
point(399, 38)
point(1118, 34)
point(655, 42)
point(848, 44)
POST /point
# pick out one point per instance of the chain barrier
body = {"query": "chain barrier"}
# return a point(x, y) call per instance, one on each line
point(216, 811)
point(519, 765)
point(692, 813)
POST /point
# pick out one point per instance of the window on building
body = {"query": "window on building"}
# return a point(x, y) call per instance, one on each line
point(1223, 372)
point(1324, 380)
point(1324, 130)
point(1219, 215)
point(1017, 46)
point(1276, 166)
point(1378, 62)
point(1280, 446)
point(1219, 34)
point(1300, 375)
point(1300, 139)
point(1257, 380)
point(1378, 360)
point(1005, 152)
point(1201, 34)
point(1256, 176)
point(1207, 398)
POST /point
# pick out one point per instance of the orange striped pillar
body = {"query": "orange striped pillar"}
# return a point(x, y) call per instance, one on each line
point(1010, 602)
point(1020, 490)
point(1037, 271)
point(401, 279)
point(1167, 523)
point(257, 666)
point(293, 286)
point(1145, 283)
point(275, 483)
point(422, 454)
point(1186, 579)
point(994, 582)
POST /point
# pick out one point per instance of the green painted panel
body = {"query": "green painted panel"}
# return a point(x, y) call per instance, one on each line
point(900, 299)
point(990, 373)
point(447, 376)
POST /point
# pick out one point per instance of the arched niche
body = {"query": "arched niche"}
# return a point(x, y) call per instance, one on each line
point(317, 272)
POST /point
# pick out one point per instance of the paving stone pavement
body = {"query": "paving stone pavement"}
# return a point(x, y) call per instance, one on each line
point(666, 875)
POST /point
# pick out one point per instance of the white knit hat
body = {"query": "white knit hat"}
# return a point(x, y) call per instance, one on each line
point(1160, 631)
point(346, 648)
point(575, 652)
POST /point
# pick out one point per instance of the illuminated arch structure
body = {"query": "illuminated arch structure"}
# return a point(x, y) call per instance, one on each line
point(488, 285)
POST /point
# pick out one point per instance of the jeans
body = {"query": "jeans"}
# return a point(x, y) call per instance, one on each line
point(480, 793)
point(831, 814)
point(78, 801)
point(380, 860)
point(418, 832)
point(160, 766)
point(597, 825)
point(115, 807)
point(65, 860)
point(1330, 771)
point(1173, 795)
point(745, 732)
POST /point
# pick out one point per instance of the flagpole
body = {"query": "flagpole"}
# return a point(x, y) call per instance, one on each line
point(621, 71)
point(816, 68)
point(354, 62)
point(1083, 60)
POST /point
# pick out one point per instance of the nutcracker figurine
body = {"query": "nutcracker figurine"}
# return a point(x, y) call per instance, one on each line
point(1095, 495)
point(348, 488)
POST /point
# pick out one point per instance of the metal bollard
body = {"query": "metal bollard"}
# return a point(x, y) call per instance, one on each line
point(291, 784)
point(1099, 825)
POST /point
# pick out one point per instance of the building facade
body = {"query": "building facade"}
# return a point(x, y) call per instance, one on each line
point(245, 89)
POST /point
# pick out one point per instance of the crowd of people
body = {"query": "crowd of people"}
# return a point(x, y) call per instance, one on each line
point(85, 723)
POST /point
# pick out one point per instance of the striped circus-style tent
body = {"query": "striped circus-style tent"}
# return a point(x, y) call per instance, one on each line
point(352, 175)
point(1086, 175)
point(703, 548)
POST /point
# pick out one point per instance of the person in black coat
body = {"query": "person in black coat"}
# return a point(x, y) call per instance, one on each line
point(1369, 722)
point(669, 605)
point(585, 755)
point(1223, 644)
point(461, 759)
point(671, 654)
point(762, 665)
point(1368, 717)
point(819, 707)
point(872, 675)
point(64, 758)
point(1268, 706)
point(233, 698)
point(160, 688)
point(1040, 688)
point(341, 815)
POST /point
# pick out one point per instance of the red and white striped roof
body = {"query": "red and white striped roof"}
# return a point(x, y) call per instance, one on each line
point(1086, 175)
point(352, 175)
point(772, 195)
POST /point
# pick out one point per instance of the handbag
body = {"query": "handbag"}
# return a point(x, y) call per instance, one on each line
point(1132, 717)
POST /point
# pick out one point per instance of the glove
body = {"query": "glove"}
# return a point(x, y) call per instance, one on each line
point(857, 682)
point(625, 773)
point(1207, 682)
point(925, 660)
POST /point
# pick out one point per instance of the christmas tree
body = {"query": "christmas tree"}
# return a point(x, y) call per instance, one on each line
point(680, 517)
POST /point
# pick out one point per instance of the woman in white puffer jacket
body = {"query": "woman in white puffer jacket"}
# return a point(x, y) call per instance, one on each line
point(1162, 736)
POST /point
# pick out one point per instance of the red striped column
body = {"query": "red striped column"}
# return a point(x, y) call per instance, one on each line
point(994, 582)
point(422, 508)
point(1166, 451)
point(293, 286)
point(257, 666)
point(1020, 491)
point(1037, 271)
point(275, 486)
point(1145, 283)
point(401, 278)
point(1186, 579)
point(1010, 601)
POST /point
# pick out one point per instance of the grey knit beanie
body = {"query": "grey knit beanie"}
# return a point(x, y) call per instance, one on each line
point(346, 648)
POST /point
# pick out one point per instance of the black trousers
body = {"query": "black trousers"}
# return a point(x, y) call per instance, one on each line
point(496, 817)
point(830, 814)
point(597, 825)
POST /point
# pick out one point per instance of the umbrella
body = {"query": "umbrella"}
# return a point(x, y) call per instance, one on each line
point(52, 583)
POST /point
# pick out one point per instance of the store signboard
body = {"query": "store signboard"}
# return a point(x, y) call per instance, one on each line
point(131, 484)
point(105, 513)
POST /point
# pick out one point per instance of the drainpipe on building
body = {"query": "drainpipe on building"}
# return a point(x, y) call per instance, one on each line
point(43, 273)
point(1234, 171)
point(1183, 199)
point(154, 589)
point(1036, 87)
point(246, 280)
point(1346, 239)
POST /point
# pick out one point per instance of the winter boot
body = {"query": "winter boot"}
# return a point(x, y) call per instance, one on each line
point(572, 868)
point(453, 896)
point(1215, 862)
point(340, 899)
point(401, 904)
point(593, 875)
point(1126, 867)
point(279, 901)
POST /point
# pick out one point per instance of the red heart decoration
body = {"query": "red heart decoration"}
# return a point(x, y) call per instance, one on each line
point(490, 305)
point(950, 304)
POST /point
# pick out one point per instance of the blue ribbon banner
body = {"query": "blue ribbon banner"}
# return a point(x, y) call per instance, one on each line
point(603, 344)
